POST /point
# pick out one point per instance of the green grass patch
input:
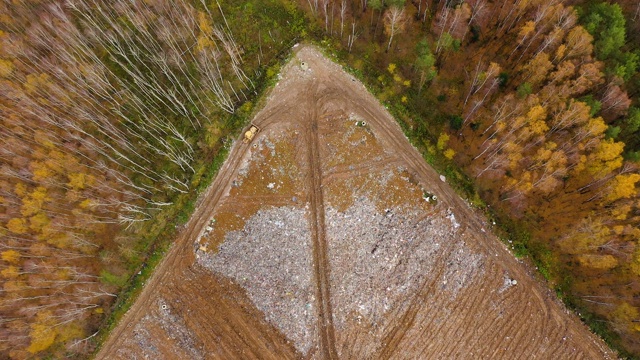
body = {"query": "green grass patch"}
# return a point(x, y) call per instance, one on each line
point(113, 279)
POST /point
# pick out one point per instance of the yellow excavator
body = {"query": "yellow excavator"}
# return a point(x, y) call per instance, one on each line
point(250, 134)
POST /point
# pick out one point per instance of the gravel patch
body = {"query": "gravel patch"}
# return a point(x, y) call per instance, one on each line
point(177, 330)
point(461, 267)
point(271, 258)
point(255, 156)
point(379, 259)
point(174, 327)
point(143, 340)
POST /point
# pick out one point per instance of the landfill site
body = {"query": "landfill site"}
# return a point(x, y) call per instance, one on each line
point(325, 235)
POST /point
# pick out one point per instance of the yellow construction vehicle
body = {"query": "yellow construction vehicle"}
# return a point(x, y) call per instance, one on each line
point(250, 134)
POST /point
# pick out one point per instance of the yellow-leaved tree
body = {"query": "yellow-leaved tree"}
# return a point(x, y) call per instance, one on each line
point(623, 186)
point(10, 256)
point(626, 316)
point(17, 226)
point(42, 333)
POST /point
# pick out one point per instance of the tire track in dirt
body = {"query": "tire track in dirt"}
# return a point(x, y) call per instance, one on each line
point(389, 344)
point(243, 338)
point(344, 171)
point(406, 314)
point(391, 134)
point(318, 234)
point(472, 224)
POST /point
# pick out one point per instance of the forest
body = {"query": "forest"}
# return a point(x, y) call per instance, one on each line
point(115, 114)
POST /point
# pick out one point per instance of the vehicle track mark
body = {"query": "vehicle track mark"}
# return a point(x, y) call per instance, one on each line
point(397, 333)
point(318, 234)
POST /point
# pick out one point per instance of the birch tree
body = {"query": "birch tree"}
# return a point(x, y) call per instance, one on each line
point(394, 22)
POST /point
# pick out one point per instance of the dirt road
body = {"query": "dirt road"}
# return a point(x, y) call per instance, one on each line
point(326, 250)
point(321, 263)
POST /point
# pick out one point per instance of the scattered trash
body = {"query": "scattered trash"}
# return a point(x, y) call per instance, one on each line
point(507, 283)
point(452, 217)
point(272, 260)
point(361, 123)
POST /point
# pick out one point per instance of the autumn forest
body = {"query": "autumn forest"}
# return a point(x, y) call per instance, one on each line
point(115, 114)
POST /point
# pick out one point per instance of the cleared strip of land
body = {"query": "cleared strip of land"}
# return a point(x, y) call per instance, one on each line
point(323, 246)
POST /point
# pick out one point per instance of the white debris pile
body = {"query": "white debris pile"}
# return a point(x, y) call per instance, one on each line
point(177, 330)
point(379, 259)
point(453, 220)
point(142, 339)
point(507, 283)
point(271, 258)
point(461, 266)
point(173, 325)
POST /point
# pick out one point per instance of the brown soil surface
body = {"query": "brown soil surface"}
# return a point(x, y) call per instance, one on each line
point(329, 237)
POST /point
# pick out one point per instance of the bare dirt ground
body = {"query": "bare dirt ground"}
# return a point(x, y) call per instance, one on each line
point(329, 237)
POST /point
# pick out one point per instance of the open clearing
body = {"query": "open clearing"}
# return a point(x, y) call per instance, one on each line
point(329, 237)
